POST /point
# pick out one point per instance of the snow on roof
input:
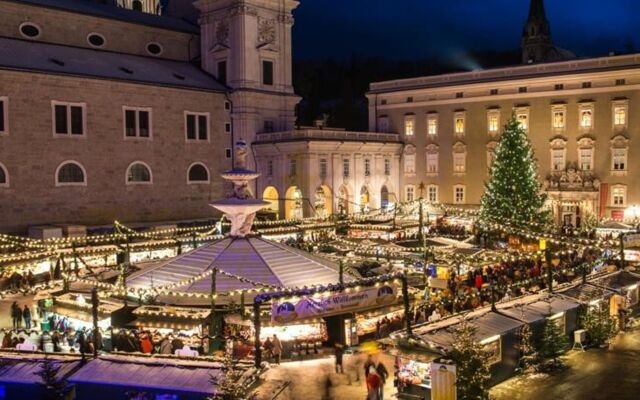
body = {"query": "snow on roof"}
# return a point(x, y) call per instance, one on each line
point(22, 368)
point(539, 309)
point(587, 292)
point(252, 258)
point(65, 60)
point(167, 374)
point(619, 280)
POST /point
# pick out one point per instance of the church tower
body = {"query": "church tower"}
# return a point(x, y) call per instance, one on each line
point(247, 45)
point(536, 36)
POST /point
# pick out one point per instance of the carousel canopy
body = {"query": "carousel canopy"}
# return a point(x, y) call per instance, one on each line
point(251, 258)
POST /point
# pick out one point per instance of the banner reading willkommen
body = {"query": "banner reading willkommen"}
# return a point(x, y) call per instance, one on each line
point(333, 304)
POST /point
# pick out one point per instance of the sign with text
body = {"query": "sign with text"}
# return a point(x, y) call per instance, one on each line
point(631, 240)
point(333, 304)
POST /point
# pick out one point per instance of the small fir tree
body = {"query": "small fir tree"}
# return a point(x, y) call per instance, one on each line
point(554, 342)
point(529, 357)
point(55, 388)
point(473, 373)
point(599, 324)
point(232, 385)
point(513, 192)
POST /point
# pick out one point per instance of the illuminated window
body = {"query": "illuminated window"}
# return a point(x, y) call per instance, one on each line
point(558, 159)
point(586, 159)
point(493, 121)
point(409, 125)
point(586, 119)
point(459, 123)
point(620, 115)
point(432, 124)
point(619, 195)
point(458, 194)
point(432, 193)
point(432, 164)
point(522, 116)
point(558, 119)
point(409, 193)
point(492, 350)
point(409, 164)
point(459, 158)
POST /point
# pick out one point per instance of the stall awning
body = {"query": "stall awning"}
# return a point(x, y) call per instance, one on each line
point(540, 309)
point(148, 373)
point(618, 281)
point(23, 368)
point(165, 323)
point(587, 292)
point(76, 313)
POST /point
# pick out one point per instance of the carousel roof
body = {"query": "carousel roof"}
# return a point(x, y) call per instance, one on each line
point(251, 258)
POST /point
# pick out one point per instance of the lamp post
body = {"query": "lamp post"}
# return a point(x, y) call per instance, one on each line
point(256, 326)
point(405, 297)
point(94, 314)
point(212, 316)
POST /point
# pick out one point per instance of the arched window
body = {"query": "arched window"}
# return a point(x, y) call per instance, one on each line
point(139, 173)
point(384, 197)
point(71, 173)
point(137, 5)
point(198, 173)
point(4, 176)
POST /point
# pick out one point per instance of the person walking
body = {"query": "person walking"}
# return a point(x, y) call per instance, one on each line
point(384, 374)
point(367, 365)
point(277, 348)
point(14, 313)
point(26, 315)
point(373, 384)
point(17, 316)
point(268, 349)
point(339, 352)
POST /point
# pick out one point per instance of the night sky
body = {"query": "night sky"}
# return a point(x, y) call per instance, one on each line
point(419, 29)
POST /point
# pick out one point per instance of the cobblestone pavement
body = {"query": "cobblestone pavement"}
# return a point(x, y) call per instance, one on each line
point(596, 374)
point(317, 379)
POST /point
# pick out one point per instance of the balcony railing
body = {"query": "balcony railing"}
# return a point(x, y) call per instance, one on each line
point(326, 134)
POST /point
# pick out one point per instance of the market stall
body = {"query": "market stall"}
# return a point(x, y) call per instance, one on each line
point(625, 285)
point(75, 310)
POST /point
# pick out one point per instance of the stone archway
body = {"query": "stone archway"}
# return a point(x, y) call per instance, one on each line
point(344, 200)
point(271, 195)
point(365, 199)
point(322, 201)
point(293, 203)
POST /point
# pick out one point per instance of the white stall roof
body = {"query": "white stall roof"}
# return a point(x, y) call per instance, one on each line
point(256, 259)
point(540, 309)
point(587, 292)
point(174, 375)
point(23, 368)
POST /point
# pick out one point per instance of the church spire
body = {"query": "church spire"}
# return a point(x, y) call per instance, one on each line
point(536, 35)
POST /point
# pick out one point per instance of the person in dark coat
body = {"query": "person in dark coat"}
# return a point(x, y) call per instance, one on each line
point(26, 314)
point(339, 352)
point(384, 374)
point(16, 314)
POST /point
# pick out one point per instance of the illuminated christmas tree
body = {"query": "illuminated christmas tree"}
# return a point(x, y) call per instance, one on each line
point(513, 193)
point(471, 364)
point(529, 358)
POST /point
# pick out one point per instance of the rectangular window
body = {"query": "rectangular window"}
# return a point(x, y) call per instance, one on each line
point(387, 167)
point(137, 122)
point(409, 125)
point(293, 167)
point(432, 163)
point(270, 168)
point(383, 124)
point(409, 164)
point(458, 194)
point(227, 152)
point(586, 85)
point(558, 119)
point(559, 86)
point(222, 71)
point(557, 159)
point(620, 115)
point(493, 122)
point(345, 167)
point(459, 95)
point(620, 82)
point(323, 168)
point(268, 126)
point(619, 195)
point(459, 163)
point(267, 72)
point(459, 123)
point(3, 116)
point(493, 92)
point(432, 194)
point(197, 126)
point(522, 115)
point(68, 118)
point(367, 167)
point(619, 159)
point(586, 159)
point(409, 99)
point(522, 89)
point(586, 118)
point(410, 193)
point(432, 125)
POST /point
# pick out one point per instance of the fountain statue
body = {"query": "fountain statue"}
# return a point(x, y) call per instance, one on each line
point(239, 206)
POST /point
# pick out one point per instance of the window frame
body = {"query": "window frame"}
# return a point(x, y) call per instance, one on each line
point(624, 105)
point(366, 164)
point(346, 168)
point(387, 167)
point(493, 113)
point(558, 145)
point(135, 183)
point(523, 111)
point(459, 152)
point(38, 27)
point(406, 192)
point(68, 105)
point(432, 118)
point(586, 107)
point(263, 62)
point(323, 167)
point(137, 110)
point(584, 144)
point(57, 174)
point(4, 104)
point(146, 48)
point(429, 188)
point(190, 182)
point(197, 114)
point(464, 194)
point(559, 109)
point(6, 183)
point(614, 195)
point(104, 40)
point(409, 160)
point(463, 116)
point(412, 119)
point(383, 128)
